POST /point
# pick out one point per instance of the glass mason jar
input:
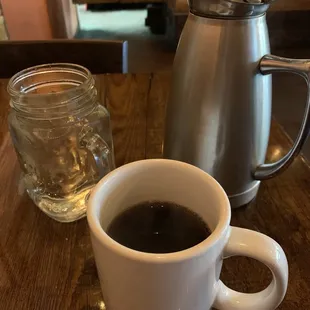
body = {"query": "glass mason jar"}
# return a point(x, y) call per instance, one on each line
point(62, 137)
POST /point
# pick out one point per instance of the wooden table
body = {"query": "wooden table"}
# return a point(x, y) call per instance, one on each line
point(48, 265)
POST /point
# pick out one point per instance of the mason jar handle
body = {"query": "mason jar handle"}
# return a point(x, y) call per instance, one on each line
point(270, 64)
point(244, 242)
point(101, 152)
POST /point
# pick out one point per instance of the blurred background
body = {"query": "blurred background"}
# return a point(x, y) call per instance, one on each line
point(152, 28)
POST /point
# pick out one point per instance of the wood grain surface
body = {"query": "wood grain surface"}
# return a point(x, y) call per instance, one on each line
point(48, 265)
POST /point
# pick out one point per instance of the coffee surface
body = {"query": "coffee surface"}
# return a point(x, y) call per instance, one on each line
point(158, 227)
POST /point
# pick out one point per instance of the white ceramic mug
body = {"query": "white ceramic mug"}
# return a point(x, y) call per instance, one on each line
point(185, 280)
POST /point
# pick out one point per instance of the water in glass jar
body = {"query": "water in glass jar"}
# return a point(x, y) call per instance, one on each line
point(58, 169)
point(61, 135)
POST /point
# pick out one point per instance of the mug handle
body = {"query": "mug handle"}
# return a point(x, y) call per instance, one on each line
point(244, 242)
point(101, 152)
point(270, 64)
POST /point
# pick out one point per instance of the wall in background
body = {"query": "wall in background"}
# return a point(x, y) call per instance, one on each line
point(27, 19)
point(39, 19)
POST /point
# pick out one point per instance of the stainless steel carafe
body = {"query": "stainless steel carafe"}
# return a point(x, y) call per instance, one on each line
point(219, 111)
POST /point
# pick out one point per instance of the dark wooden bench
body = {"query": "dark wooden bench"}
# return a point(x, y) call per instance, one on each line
point(99, 56)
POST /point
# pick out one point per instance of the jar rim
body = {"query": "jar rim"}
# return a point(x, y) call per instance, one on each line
point(68, 89)
point(46, 68)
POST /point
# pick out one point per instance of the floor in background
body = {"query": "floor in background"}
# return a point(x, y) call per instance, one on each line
point(147, 52)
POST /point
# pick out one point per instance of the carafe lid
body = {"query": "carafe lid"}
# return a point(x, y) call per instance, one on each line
point(229, 8)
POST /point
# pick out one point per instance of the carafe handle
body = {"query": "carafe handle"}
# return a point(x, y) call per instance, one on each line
point(268, 65)
point(100, 151)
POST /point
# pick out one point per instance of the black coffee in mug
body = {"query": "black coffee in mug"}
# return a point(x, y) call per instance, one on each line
point(158, 227)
